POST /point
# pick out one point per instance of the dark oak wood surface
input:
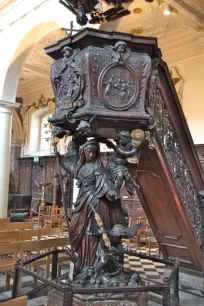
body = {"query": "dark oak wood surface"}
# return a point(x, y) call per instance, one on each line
point(165, 211)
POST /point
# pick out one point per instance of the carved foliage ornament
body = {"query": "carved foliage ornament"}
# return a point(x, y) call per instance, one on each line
point(42, 102)
point(177, 165)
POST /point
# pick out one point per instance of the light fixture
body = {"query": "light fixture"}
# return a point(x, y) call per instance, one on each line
point(166, 8)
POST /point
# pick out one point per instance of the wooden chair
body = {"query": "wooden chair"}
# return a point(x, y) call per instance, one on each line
point(7, 264)
point(43, 214)
point(20, 301)
point(143, 232)
point(140, 212)
point(55, 217)
point(64, 226)
point(152, 242)
point(41, 245)
point(133, 221)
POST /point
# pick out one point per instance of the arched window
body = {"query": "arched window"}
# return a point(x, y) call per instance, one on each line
point(40, 132)
point(45, 137)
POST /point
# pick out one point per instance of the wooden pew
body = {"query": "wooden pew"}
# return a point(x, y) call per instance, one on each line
point(15, 225)
point(45, 232)
point(32, 234)
point(47, 244)
point(31, 246)
point(20, 249)
point(8, 264)
point(8, 236)
point(4, 220)
point(20, 301)
point(37, 234)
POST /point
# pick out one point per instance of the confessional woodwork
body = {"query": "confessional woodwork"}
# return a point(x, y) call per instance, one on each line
point(31, 174)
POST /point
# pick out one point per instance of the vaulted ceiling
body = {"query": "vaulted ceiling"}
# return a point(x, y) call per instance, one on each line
point(146, 19)
point(37, 65)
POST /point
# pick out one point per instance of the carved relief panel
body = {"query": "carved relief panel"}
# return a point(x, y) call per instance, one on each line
point(108, 81)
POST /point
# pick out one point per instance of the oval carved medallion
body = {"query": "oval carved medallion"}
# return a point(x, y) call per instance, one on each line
point(118, 86)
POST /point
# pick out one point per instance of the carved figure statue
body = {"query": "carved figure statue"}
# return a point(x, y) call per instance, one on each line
point(59, 68)
point(97, 195)
point(56, 189)
point(67, 78)
point(118, 164)
point(120, 52)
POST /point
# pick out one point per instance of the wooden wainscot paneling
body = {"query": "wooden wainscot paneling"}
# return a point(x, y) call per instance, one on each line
point(31, 174)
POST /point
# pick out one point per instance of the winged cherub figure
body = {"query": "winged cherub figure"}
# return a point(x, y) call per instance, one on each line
point(120, 52)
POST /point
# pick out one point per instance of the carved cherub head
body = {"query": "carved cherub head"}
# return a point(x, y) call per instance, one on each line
point(120, 47)
point(124, 137)
point(67, 51)
point(84, 128)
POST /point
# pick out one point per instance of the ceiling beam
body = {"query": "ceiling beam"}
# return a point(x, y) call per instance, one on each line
point(190, 9)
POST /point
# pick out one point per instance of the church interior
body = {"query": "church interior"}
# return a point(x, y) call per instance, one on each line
point(101, 153)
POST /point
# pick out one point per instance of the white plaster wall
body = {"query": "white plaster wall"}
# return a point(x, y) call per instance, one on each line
point(193, 96)
point(20, 28)
point(185, 51)
point(31, 94)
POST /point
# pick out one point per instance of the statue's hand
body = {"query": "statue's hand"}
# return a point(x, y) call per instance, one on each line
point(112, 195)
point(57, 154)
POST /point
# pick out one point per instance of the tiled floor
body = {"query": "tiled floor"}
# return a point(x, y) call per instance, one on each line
point(152, 271)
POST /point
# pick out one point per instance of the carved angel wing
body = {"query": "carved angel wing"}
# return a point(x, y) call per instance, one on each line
point(127, 53)
point(109, 48)
point(132, 231)
point(75, 52)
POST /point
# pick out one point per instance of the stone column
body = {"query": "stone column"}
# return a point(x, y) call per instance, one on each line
point(6, 109)
point(14, 167)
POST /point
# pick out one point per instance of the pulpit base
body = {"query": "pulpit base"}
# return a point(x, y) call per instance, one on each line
point(55, 298)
